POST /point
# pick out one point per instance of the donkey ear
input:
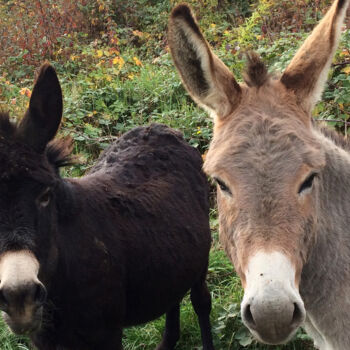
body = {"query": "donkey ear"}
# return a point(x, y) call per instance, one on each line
point(306, 75)
point(206, 78)
point(42, 119)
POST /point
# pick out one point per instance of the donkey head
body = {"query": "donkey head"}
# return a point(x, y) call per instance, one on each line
point(266, 162)
point(28, 177)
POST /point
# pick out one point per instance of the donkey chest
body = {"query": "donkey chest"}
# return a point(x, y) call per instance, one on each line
point(328, 318)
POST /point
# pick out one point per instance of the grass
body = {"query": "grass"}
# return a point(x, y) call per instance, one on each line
point(9, 341)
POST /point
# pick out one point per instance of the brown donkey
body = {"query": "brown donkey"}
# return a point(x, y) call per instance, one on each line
point(284, 184)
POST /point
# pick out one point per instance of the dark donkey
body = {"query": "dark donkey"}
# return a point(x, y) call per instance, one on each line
point(82, 258)
point(283, 183)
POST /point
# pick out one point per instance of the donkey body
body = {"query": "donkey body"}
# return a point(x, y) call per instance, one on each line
point(82, 258)
point(283, 183)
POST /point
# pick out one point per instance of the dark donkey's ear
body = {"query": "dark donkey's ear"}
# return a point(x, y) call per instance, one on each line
point(43, 117)
point(307, 73)
point(205, 76)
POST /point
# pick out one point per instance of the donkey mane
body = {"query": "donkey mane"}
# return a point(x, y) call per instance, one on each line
point(58, 151)
point(7, 129)
point(339, 139)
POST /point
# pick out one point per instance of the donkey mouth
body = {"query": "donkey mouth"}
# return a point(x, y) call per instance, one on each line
point(275, 328)
point(273, 337)
point(21, 326)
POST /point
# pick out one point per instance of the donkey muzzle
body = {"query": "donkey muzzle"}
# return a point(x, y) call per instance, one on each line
point(22, 295)
point(273, 317)
point(272, 308)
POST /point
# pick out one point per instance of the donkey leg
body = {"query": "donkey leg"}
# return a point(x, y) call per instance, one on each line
point(172, 329)
point(107, 340)
point(113, 341)
point(201, 301)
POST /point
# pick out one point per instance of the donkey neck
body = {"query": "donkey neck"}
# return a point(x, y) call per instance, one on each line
point(85, 224)
point(332, 245)
point(325, 283)
point(80, 198)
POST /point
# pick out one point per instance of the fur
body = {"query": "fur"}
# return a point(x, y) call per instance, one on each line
point(283, 182)
point(256, 72)
point(117, 247)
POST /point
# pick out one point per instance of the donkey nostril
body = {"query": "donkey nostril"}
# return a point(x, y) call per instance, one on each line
point(3, 301)
point(297, 315)
point(5, 296)
point(248, 317)
point(40, 294)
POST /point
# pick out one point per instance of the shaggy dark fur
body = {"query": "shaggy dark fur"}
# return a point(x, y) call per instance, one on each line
point(118, 247)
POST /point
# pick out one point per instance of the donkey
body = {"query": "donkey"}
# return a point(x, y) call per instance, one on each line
point(80, 259)
point(283, 183)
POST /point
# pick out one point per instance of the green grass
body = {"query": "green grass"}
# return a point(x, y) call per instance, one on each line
point(9, 341)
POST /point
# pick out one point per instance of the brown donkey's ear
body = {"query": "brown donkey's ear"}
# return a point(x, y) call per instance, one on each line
point(206, 78)
point(307, 73)
point(43, 117)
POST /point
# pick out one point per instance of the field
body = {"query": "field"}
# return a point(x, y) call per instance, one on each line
point(114, 65)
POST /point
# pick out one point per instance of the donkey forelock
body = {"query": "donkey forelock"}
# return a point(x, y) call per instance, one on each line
point(256, 72)
point(17, 158)
point(268, 122)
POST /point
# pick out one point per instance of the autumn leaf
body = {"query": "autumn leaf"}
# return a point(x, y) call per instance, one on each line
point(26, 92)
point(114, 51)
point(137, 33)
point(137, 61)
point(344, 52)
point(118, 60)
point(114, 40)
point(346, 70)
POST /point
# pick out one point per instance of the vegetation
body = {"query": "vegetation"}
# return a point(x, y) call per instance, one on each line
point(116, 72)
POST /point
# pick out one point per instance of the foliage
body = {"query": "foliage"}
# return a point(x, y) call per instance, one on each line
point(336, 99)
point(116, 73)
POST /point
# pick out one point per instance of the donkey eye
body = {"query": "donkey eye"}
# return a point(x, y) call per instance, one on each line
point(307, 184)
point(44, 198)
point(222, 185)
